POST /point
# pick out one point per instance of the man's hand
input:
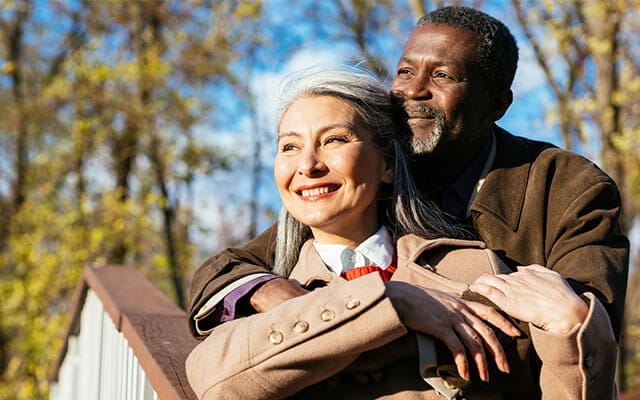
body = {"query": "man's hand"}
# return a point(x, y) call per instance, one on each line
point(273, 293)
point(458, 323)
point(537, 295)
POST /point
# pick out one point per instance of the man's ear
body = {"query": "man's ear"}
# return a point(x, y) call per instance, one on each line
point(388, 175)
point(502, 100)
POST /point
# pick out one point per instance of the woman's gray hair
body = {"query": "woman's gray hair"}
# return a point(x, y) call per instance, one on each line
point(403, 212)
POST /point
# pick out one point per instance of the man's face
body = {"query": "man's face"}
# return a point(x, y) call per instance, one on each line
point(440, 92)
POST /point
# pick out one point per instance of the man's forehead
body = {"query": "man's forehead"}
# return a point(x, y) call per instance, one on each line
point(444, 41)
point(444, 30)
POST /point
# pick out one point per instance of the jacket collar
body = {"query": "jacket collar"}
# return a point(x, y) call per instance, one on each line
point(310, 266)
point(503, 191)
point(410, 247)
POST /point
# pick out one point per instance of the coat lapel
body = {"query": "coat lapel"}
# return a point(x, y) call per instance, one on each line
point(503, 192)
point(444, 264)
point(310, 267)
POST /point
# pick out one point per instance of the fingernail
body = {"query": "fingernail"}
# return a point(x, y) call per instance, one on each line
point(505, 367)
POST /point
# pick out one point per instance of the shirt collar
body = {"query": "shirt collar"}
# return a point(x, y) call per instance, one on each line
point(456, 198)
point(465, 183)
point(376, 250)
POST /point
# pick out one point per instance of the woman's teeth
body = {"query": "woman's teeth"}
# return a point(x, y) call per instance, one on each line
point(315, 191)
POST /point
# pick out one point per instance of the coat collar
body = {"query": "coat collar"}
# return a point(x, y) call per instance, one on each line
point(503, 192)
point(410, 247)
point(310, 268)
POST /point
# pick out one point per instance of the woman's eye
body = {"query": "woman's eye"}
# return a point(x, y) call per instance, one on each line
point(287, 147)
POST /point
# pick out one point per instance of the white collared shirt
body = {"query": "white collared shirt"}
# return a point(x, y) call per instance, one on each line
point(377, 250)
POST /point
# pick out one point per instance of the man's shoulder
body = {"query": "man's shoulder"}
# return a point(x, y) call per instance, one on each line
point(512, 151)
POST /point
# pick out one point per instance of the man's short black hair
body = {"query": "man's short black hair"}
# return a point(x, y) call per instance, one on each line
point(497, 53)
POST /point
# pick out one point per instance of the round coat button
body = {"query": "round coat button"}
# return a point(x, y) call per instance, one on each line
point(275, 337)
point(327, 315)
point(301, 327)
point(353, 303)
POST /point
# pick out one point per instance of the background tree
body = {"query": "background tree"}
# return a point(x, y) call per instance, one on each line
point(100, 102)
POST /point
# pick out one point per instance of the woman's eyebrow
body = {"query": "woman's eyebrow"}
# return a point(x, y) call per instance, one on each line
point(287, 134)
point(346, 125)
point(323, 129)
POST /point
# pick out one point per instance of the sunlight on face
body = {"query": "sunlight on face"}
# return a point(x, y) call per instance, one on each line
point(328, 170)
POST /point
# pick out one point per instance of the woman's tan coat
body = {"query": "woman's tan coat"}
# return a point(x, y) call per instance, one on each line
point(345, 340)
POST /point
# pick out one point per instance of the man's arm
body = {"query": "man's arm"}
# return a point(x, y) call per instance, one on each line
point(562, 212)
point(229, 266)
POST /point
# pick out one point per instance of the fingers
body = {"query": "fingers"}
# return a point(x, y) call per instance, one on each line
point(457, 349)
point(488, 335)
point(533, 267)
point(470, 333)
point(473, 343)
point(492, 316)
point(491, 292)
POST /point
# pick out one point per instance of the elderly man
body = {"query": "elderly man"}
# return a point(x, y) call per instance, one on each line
point(529, 201)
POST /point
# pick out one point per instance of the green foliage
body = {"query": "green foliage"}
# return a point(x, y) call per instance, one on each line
point(98, 112)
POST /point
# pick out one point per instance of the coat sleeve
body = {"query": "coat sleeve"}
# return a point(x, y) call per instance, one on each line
point(587, 246)
point(275, 354)
point(580, 365)
point(229, 266)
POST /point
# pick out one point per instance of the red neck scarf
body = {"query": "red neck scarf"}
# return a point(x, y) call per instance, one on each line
point(385, 274)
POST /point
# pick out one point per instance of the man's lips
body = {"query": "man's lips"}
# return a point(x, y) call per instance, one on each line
point(419, 114)
point(419, 110)
point(317, 191)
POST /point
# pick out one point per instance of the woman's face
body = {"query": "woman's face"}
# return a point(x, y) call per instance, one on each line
point(328, 171)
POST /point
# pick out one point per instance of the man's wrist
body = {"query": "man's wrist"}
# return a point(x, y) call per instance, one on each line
point(575, 315)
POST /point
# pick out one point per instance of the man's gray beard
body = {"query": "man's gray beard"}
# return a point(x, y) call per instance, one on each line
point(422, 146)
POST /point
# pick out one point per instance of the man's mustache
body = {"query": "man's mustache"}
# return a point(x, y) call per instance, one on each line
point(411, 109)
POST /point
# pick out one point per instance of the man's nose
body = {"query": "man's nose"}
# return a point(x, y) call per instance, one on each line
point(311, 163)
point(417, 88)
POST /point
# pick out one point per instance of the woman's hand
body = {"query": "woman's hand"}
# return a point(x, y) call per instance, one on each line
point(458, 323)
point(537, 295)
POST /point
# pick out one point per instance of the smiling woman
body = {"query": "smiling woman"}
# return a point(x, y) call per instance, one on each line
point(322, 148)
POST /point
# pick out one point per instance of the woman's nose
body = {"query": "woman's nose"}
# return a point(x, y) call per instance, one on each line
point(311, 163)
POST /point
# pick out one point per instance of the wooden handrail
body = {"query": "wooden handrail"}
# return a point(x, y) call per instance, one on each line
point(154, 327)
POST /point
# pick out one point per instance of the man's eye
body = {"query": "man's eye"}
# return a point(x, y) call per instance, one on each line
point(336, 139)
point(442, 75)
point(404, 71)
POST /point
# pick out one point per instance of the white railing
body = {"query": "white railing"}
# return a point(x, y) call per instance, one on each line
point(99, 363)
point(125, 341)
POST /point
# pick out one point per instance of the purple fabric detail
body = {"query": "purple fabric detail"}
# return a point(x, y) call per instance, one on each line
point(236, 303)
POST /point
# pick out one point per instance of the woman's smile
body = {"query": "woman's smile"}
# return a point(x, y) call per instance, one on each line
point(317, 191)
